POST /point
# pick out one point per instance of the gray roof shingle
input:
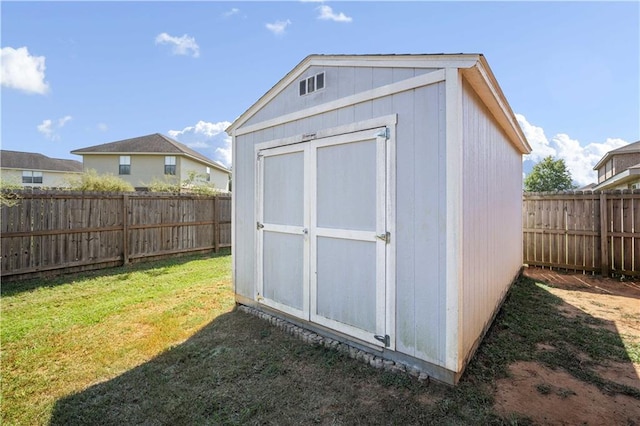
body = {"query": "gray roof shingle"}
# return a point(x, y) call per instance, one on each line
point(155, 143)
point(35, 161)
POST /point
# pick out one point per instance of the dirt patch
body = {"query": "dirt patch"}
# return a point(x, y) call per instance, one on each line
point(555, 397)
point(549, 396)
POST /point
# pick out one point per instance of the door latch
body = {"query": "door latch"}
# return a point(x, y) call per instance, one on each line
point(386, 237)
point(259, 225)
point(386, 340)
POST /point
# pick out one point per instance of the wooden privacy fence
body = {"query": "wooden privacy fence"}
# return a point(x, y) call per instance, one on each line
point(74, 231)
point(588, 231)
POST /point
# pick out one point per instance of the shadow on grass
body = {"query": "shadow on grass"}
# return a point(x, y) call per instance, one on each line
point(240, 369)
point(12, 288)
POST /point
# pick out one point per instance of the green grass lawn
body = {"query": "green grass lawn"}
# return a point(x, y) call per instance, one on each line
point(160, 343)
point(63, 335)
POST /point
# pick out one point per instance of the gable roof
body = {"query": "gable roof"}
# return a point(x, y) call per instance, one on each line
point(35, 161)
point(627, 149)
point(474, 67)
point(155, 143)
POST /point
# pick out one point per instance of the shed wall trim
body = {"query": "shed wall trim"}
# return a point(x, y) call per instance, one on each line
point(379, 92)
point(454, 222)
point(386, 120)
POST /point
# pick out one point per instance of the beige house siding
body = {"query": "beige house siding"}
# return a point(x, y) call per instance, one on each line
point(146, 167)
point(219, 179)
point(50, 179)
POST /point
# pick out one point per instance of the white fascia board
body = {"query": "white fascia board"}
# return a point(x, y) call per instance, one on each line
point(484, 83)
point(376, 61)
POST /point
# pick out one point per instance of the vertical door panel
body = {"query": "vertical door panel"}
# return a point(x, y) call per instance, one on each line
point(346, 196)
point(282, 231)
point(348, 248)
point(283, 268)
point(347, 282)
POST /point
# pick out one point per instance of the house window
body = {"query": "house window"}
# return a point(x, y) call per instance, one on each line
point(311, 84)
point(170, 165)
point(208, 174)
point(29, 176)
point(125, 165)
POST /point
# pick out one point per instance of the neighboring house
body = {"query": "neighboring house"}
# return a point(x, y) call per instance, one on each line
point(141, 160)
point(37, 170)
point(378, 201)
point(619, 168)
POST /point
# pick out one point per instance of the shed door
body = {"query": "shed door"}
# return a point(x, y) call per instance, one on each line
point(322, 233)
point(283, 223)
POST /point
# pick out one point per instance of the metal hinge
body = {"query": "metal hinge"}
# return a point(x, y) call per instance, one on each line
point(386, 237)
point(385, 133)
point(259, 156)
point(259, 225)
point(384, 339)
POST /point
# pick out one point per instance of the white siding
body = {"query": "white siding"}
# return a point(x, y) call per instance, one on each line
point(492, 220)
point(339, 82)
point(420, 206)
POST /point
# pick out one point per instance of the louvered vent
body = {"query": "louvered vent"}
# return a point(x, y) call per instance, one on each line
point(311, 84)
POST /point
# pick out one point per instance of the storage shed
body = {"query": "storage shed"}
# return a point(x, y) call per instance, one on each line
point(377, 200)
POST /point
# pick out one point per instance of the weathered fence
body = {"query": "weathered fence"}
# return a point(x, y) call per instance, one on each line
point(583, 231)
point(75, 231)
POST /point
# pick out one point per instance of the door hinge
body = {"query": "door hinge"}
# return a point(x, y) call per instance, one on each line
point(386, 237)
point(259, 225)
point(386, 340)
point(385, 133)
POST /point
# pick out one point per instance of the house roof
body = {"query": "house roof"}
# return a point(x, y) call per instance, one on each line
point(155, 143)
point(474, 67)
point(35, 161)
point(627, 149)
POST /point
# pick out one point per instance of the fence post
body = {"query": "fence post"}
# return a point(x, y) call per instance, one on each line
point(216, 228)
point(125, 229)
point(604, 241)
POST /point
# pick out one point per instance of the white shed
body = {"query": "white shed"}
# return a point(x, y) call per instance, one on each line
point(377, 200)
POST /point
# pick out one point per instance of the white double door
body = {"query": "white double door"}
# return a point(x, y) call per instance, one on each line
point(322, 234)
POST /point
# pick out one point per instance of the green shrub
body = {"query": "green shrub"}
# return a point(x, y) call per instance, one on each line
point(90, 180)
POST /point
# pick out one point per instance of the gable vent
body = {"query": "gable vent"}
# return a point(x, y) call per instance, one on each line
point(311, 84)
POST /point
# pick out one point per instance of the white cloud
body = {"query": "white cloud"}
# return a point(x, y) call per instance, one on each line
point(579, 159)
point(64, 120)
point(207, 138)
point(49, 128)
point(102, 127)
point(45, 128)
point(540, 147)
point(229, 13)
point(184, 45)
point(326, 13)
point(22, 71)
point(278, 27)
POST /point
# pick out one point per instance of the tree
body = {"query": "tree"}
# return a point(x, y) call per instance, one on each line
point(549, 175)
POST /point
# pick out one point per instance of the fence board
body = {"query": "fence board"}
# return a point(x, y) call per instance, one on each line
point(583, 231)
point(70, 231)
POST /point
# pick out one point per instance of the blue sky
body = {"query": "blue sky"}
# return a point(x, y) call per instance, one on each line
point(76, 74)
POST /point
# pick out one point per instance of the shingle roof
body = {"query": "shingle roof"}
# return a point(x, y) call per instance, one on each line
point(627, 149)
point(35, 161)
point(155, 143)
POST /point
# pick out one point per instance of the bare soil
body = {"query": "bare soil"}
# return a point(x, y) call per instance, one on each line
point(554, 397)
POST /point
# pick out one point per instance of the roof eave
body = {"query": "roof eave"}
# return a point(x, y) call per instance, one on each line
point(484, 83)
